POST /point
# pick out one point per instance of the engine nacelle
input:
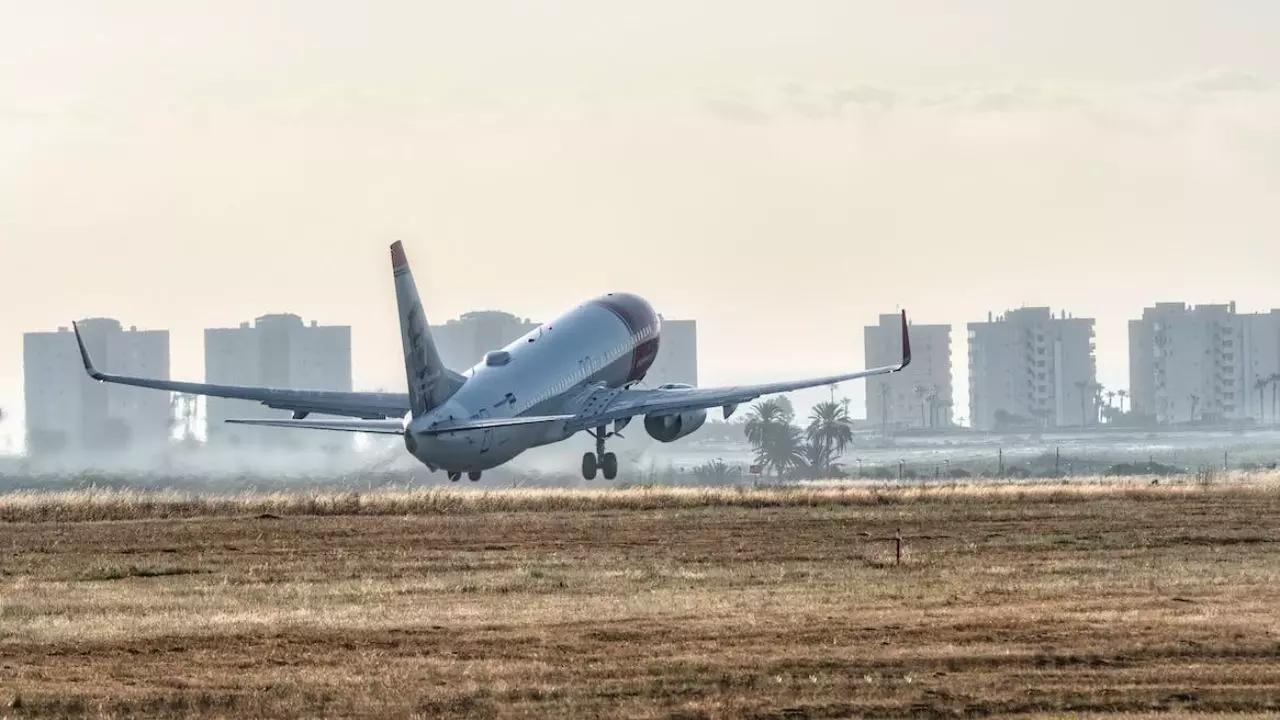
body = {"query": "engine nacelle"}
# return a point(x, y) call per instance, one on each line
point(669, 428)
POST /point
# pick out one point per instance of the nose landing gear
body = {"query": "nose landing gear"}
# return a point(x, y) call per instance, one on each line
point(605, 462)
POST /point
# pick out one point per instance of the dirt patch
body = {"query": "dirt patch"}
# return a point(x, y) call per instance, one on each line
point(1039, 604)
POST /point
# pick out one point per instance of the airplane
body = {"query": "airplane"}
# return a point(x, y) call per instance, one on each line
point(576, 373)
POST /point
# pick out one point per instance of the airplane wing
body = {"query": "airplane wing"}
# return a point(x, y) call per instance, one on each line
point(301, 402)
point(631, 403)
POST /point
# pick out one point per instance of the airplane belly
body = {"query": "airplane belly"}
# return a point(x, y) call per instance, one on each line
point(472, 450)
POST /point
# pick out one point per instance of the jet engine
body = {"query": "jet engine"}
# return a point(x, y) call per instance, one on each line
point(669, 428)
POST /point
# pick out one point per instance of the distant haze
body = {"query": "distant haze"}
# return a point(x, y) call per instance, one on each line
point(781, 171)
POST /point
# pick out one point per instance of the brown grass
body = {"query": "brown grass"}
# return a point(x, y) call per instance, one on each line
point(1045, 600)
point(94, 504)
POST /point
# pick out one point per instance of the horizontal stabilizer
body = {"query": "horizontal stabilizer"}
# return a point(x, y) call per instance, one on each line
point(492, 423)
point(379, 427)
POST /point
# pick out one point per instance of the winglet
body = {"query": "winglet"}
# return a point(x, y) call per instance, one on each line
point(84, 356)
point(906, 343)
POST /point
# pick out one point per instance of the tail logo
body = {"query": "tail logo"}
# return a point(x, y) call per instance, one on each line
point(423, 381)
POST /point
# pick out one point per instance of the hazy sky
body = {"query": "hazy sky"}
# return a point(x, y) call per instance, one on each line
point(782, 171)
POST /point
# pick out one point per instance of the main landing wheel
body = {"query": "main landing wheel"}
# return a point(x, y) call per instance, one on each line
point(474, 475)
point(606, 462)
point(455, 476)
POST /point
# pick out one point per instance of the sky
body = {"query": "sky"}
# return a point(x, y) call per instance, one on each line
point(781, 171)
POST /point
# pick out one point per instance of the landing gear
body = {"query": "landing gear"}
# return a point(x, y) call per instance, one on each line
point(474, 475)
point(605, 462)
point(455, 476)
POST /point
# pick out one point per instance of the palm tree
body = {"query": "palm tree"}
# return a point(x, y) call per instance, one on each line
point(945, 413)
point(830, 427)
point(1195, 401)
point(1274, 379)
point(764, 416)
point(783, 449)
point(817, 456)
point(1122, 394)
point(776, 441)
point(1261, 386)
point(920, 392)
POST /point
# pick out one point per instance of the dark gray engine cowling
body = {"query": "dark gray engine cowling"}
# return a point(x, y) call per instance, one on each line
point(669, 428)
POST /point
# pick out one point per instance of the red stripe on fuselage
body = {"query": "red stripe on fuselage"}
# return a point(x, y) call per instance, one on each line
point(637, 315)
point(642, 358)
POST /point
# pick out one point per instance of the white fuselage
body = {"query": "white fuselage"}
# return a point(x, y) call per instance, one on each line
point(607, 342)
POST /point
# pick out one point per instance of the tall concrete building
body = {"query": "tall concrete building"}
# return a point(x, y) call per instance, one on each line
point(677, 360)
point(68, 412)
point(1028, 368)
point(1202, 362)
point(919, 396)
point(1261, 369)
point(276, 351)
point(462, 342)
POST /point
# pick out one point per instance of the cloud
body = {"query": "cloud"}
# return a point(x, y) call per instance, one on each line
point(815, 102)
point(1223, 81)
point(734, 107)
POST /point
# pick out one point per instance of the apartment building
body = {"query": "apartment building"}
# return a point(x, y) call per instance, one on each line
point(920, 396)
point(275, 351)
point(1191, 363)
point(67, 412)
point(463, 342)
point(1030, 368)
point(677, 360)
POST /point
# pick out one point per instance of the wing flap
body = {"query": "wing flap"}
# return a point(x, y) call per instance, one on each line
point(377, 427)
point(489, 424)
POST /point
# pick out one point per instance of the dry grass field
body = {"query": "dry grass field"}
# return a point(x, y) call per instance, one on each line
point(1049, 601)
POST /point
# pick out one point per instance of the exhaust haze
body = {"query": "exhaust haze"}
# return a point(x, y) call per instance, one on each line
point(782, 172)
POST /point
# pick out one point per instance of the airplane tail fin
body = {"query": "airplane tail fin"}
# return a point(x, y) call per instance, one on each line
point(430, 383)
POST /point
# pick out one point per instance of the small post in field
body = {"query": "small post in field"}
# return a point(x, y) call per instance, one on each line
point(897, 547)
